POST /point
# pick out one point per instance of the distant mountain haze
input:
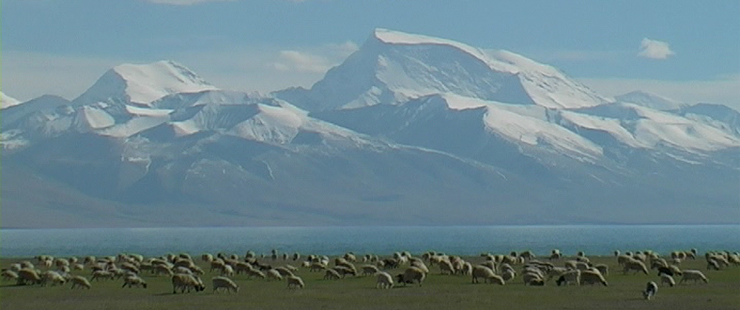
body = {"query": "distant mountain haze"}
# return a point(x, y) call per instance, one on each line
point(408, 130)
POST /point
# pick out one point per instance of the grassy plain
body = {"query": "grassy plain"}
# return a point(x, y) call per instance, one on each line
point(437, 292)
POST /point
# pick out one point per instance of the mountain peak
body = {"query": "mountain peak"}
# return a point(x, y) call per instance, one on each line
point(393, 67)
point(144, 83)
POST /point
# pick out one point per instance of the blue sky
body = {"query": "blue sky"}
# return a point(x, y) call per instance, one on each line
point(684, 50)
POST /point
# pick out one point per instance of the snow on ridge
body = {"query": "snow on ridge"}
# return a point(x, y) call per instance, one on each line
point(650, 100)
point(7, 101)
point(397, 37)
point(528, 125)
point(149, 82)
point(545, 84)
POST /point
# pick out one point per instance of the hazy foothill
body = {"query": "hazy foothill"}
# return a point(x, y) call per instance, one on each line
point(407, 129)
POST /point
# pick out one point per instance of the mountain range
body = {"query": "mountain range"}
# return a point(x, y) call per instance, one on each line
point(408, 130)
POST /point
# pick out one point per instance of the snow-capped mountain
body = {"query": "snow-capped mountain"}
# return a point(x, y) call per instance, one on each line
point(649, 100)
point(7, 101)
point(405, 128)
point(393, 67)
point(142, 84)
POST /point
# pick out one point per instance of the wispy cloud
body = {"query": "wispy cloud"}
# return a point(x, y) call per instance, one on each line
point(654, 49)
point(185, 2)
point(318, 61)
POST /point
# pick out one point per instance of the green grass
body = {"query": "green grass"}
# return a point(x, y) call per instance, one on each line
point(437, 292)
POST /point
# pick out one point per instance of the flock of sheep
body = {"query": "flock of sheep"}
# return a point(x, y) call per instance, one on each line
point(498, 269)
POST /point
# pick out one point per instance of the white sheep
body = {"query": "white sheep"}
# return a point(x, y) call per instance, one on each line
point(52, 277)
point(102, 274)
point(369, 270)
point(383, 280)
point(603, 269)
point(81, 282)
point(331, 274)
point(532, 278)
point(667, 279)
point(650, 290)
point(273, 274)
point(411, 275)
point(27, 275)
point(446, 267)
point(132, 281)
point(480, 271)
point(283, 271)
point(295, 282)
point(592, 277)
point(227, 271)
point(186, 282)
point(694, 275)
point(419, 264)
point(255, 273)
point(224, 283)
point(571, 276)
point(508, 275)
point(9, 275)
point(635, 265)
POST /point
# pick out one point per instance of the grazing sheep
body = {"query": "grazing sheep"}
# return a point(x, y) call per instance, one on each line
point(242, 267)
point(273, 274)
point(592, 277)
point(419, 264)
point(530, 277)
point(331, 274)
point(636, 266)
point(508, 275)
point(712, 264)
point(556, 272)
point(27, 275)
point(350, 257)
point(227, 271)
point(255, 273)
point(9, 275)
point(295, 282)
point(163, 269)
point(666, 279)
point(603, 269)
point(132, 281)
point(492, 264)
point(81, 282)
point(186, 282)
point(411, 275)
point(369, 270)
point(344, 271)
point(480, 271)
point(102, 274)
point(383, 280)
point(52, 277)
point(650, 290)
point(571, 276)
point(15, 267)
point(446, 267)
point(224, 283)
point(316, 267)
point(694, 275)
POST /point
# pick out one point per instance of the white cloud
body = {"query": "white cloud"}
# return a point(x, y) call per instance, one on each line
point(185, 2)
point(302, 62)
point(654, 49)
point(721, 90)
